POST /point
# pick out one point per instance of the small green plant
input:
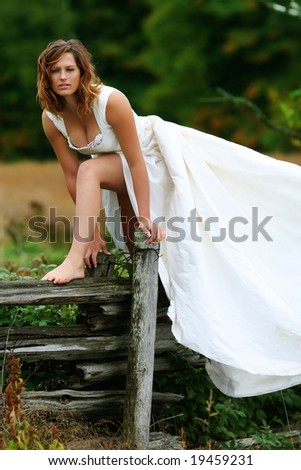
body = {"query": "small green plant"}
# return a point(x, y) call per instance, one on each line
point(222, 418)
point(266, 438)
point(16, 432)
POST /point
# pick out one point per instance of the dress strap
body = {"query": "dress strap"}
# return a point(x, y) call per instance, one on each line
point(101, 106)
point(59, 123)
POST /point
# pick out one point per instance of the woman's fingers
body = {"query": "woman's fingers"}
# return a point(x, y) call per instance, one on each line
point(153, 232)
point(93, 250)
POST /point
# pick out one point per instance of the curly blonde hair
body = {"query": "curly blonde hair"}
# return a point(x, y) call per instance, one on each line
point(90, 83)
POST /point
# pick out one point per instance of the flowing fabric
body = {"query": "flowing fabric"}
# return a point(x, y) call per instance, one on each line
point(230, 263)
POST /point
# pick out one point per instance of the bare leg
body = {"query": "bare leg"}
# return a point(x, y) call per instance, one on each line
point(103, 172)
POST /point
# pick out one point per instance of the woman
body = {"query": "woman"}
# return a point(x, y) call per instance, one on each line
point(67, 87)
point(230, 258)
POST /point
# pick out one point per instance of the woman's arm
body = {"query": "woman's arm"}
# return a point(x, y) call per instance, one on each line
point(120, 117)
point(69, 163)
point(66, 156)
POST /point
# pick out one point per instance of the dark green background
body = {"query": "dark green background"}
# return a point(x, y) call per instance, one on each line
point(168, 56)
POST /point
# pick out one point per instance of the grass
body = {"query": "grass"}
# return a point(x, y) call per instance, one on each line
point(15, 258)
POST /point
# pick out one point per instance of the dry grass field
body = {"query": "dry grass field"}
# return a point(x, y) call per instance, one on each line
point(28, 184)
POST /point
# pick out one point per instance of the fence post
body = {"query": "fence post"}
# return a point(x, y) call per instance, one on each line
point(138, 393)
point(104, 268)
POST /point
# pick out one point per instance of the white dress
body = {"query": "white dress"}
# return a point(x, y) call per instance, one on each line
point(230, 263)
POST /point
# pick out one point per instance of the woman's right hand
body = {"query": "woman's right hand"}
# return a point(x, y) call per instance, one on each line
point(94, 247)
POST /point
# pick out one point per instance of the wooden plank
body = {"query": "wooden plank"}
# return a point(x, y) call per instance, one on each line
point(67, 349)
point(25, 333)
point(97, 372)
point(137, 407)
point(108, 403)
point(88, 290)
point(75, 348)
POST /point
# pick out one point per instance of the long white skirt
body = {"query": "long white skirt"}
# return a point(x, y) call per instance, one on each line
point(230, 263)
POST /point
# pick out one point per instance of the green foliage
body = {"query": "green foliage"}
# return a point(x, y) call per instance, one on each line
point(266, 438)
point(207, 418)
point(25, 29)
point(203, 416)
point(290, 114)
point(113, 31)
point(41, 315)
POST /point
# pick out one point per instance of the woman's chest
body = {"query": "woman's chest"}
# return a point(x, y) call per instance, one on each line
point(81, 129)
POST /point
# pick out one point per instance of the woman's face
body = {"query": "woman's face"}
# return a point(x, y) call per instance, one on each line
point(65, 75)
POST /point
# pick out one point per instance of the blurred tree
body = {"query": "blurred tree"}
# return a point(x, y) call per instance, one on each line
point(243, 46)
point(113, 33)
point(25, 29)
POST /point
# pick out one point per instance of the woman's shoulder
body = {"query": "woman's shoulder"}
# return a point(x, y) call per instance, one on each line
point(103, 98)
point(56, 120)
point(106, 91)
point(48, 114)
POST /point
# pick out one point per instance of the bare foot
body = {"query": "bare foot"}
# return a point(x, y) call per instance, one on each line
point(64, 273)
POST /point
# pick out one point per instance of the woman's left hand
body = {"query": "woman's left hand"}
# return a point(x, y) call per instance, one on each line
point(152, 231)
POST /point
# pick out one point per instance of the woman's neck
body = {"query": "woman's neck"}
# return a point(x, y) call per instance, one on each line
point(70, 104)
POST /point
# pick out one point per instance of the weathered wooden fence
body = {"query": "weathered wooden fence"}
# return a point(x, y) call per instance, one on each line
point(124, 332)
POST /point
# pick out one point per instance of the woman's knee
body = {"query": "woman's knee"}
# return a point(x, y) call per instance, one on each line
point(106, 171)
point(86, 165)
point(86, 171)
